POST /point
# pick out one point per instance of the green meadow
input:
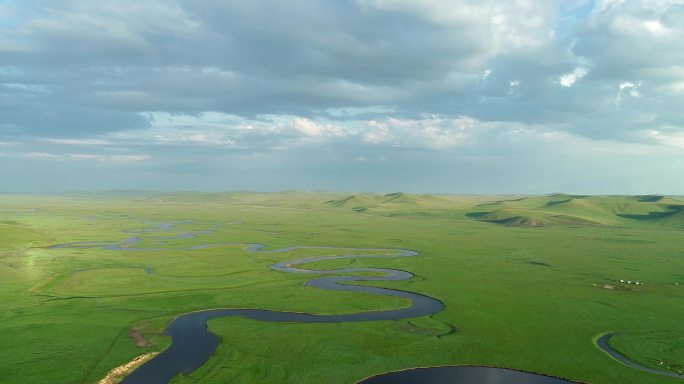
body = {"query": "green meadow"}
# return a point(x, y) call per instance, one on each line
point(528, 283)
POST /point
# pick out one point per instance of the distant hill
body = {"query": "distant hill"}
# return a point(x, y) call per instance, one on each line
point(581, 210)
point(111, 193)
point(390, 200)
point(531, 211)
point(285, 199)
point(521, 211)
point(404, 204)
point(673, 214)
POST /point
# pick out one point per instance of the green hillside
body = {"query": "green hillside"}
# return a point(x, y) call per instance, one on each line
point(534, 211)
point(582, 210)
point(14, 235)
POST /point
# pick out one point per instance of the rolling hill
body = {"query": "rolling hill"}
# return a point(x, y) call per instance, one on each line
point(532, 211)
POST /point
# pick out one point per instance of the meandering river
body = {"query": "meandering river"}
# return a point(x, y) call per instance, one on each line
point(602, 343)
point(192, 343)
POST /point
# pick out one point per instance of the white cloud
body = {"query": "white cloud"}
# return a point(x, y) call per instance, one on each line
point(661, 6)
point(223, 129)
point(656, 28)
point(433, 133)
point(568, 79)
point(604, 5)
point(369, 159)
point(312, 129)
point(108, 158)
point(307, 127)
point(501, 26)
point(513, 86)
point(41, 155)
point(627, 88)
point(668, 136)
point(217, 72)
point(466, 77)
point(486, 74)
point(78, 142)
point(355, 111)
point(179, 120)
point(128, 23)
point(178, 136)
point(85, 157)
point(677, 87)
point(377, 133)
point(29, 88)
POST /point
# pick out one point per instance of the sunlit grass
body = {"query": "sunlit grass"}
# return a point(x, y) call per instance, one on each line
point(518, 297)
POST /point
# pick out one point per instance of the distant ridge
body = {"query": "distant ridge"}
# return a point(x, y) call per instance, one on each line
point(650, 198)
point(396, 202)
point(558, 208)
point(518, 211)
point(111, 193)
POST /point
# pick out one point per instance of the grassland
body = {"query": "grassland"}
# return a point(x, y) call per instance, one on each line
point(528, 282)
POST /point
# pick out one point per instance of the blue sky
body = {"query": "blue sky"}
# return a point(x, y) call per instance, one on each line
point(365, 95)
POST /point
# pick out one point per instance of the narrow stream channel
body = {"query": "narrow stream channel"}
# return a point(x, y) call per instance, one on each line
point(602, 343)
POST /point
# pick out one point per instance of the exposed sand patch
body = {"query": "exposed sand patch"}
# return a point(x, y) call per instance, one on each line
point(138, 338)
point(116, 374)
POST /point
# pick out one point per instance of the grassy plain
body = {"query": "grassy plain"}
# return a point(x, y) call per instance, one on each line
point(528, 283)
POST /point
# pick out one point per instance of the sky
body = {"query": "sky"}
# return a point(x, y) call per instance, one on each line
point(432, 96)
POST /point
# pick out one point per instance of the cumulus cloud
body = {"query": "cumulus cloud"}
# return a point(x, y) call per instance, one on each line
point(628, 89)
point(431, 133)
point(312, 129)
point(568, 79)
point(170, 87)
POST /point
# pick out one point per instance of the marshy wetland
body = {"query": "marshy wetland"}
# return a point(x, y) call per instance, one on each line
point(524, 283)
